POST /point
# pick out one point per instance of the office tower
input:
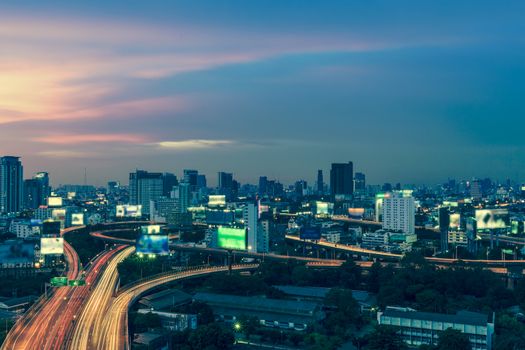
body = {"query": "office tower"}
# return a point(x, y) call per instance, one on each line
point(300, 188)
point(360, 182)
point(475, 189)
point(225, 184)
point(250, 215)
point(145, 187)
point(36, 190)
point(201, 181)
point(11, 184)
point(342, 179)
point(162, 209)
point(263, 239)
point(444, 224)
point(263, 185)
point(183, 194)
point(190, 177)
point(169, 181)
point(399, 213)
point(320, 182)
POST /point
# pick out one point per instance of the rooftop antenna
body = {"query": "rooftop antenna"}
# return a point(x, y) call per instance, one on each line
point(85, 176)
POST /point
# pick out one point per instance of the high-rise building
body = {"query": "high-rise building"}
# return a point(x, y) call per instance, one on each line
point(201, 181)
point(113, 186)
point(225, 184)
point(342, 179)
point(444, 224)
point(250, 217)
point(263, 185)
point(399, 213)
point(190, 177)
point(475, 189)
point(320, 182)
point(169, 181)
point(11, 184)
point(360, 182)
point(36, 190)
point(183, 194)
point(263, 239)
point(145, 187)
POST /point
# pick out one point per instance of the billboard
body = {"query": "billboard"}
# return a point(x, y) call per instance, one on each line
point(50, 228)
point(54, 201)
point(455, 220)
point(313, 233)
point(16, 254)
point(77, 219)
point(231, 238)
point(129, 211)
point(217, 200)
point(150, 229)
point(152, 244)
point(488, 219)
point(52, 246)
point(356, 213)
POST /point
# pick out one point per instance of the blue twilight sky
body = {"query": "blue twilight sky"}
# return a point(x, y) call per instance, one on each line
point(411, 91)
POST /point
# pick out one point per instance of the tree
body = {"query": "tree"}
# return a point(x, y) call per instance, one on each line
point(384, 338)
point(143, 322)
point(248, 325)
point(202, 310)
point(452, 339)
point(211, 337)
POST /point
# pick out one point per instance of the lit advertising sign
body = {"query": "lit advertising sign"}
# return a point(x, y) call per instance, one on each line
point(356, 213)
point(150, 229)
point(16, 254)
point(77, 219)
point(152, 244)
point(54, 201)
point(488, 219)
point(231, 238)
point(129, 211)
point(313, 233)
point(217, 200)
point(52, 246)
point(455, 220)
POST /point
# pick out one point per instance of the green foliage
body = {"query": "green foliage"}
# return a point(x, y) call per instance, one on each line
point(343, 313)
point(211, 337)
point(85, 245)
point(384, 338)
point(452, 339)
point(134, 268)
point(510, 333)
point(143, 322)
point(316, 341)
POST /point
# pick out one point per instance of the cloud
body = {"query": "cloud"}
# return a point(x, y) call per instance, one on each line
point(91, 138)
point(193, 144)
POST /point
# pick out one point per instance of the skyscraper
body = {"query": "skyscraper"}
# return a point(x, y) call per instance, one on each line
point(145, 187)
point(169, 181)
point(225, 184)
point(191, 177)
point(250, 217)
point(320, 182)
point(399, 213)
point(36, 190)
point(11, 184)
point(360, 182)
point(263, 185)
point(342, 179)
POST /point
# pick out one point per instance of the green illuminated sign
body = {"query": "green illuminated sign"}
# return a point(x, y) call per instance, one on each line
point(231, 238)
point(77, 283)
point(59, 281)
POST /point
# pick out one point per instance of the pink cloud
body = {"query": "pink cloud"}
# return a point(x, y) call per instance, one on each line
point(67, 139)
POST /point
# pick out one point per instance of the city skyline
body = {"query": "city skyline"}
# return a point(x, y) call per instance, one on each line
point(410, 92)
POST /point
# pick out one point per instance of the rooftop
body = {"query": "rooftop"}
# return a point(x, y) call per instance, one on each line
point(461, 317)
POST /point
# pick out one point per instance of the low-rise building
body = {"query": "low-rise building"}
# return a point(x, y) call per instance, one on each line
point(283, 314)
point(418, 328)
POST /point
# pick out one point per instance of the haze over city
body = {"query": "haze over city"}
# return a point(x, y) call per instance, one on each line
point(262, 174)
point(410, 91)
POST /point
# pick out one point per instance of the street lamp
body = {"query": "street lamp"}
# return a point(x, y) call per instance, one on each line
point(237, 326)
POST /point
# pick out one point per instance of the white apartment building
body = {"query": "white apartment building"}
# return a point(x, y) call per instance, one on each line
point(399, 213)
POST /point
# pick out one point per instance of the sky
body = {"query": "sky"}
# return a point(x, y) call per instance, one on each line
point(410, 91)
